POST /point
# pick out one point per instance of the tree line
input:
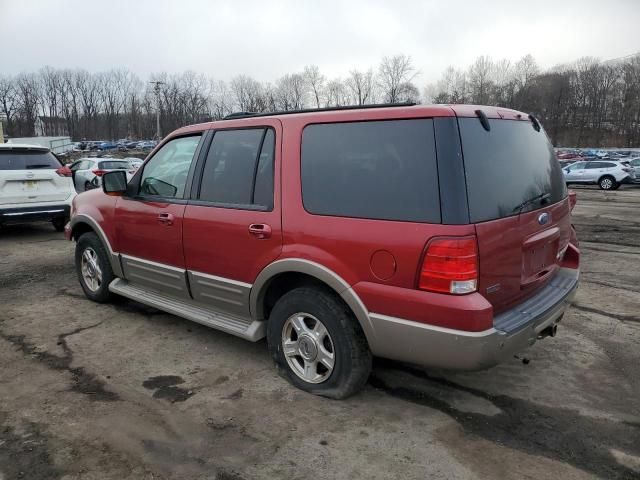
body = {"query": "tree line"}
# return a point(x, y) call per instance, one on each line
point(584, 103)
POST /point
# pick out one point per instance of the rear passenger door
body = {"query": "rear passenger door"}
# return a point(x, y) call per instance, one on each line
point(592, 171)
point(232, 224)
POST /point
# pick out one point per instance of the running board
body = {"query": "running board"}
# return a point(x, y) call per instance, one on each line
point(235, 325)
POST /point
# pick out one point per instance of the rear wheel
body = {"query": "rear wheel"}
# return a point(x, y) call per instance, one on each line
point(93, 268)
point(317, 344)
point(607, 183)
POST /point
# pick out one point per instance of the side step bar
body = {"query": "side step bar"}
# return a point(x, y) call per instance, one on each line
point(246, 328)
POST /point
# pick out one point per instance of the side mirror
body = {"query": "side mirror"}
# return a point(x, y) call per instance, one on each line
point(114, 183)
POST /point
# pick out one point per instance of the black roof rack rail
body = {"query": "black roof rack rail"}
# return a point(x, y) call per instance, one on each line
point(235, 115)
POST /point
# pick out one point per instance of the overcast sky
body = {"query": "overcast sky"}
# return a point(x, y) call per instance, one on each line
point(266, 39)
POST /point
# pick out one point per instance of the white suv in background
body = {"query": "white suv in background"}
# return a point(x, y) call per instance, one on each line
point(608, 174)
point(34, 186)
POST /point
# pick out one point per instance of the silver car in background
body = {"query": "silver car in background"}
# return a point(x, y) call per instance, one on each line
point(88, 172)
point(607, 174)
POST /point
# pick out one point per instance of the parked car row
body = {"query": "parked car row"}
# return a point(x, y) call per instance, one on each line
point(121, 145)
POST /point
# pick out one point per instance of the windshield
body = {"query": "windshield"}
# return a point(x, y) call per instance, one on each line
point(27, 160)
point(508, 166)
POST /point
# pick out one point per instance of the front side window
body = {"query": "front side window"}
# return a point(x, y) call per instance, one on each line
point(165, 174)
point(378, 169)
point(239, 168)
point(576, 166)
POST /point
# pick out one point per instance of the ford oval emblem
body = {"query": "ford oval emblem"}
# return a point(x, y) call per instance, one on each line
point(543, 218)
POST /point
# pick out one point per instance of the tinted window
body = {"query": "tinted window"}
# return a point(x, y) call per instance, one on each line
point(382, 170)
point(16, 160)
point(594, 165)
point(608, 165)
point(263, 191)
point(230, 171)
point(113, 165)
point(506, 166)
point(165, 174)
point(577, 166)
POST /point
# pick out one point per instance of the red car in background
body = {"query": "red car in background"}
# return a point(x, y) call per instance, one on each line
point(436, 235)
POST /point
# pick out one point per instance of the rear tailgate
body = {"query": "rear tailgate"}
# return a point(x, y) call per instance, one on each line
point(518, 203)
point(29, 176)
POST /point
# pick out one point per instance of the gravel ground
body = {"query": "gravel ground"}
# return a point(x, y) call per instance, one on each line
point(123, 391)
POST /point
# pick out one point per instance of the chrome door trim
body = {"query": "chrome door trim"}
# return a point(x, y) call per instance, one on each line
point(157, 276)
point(219, 292)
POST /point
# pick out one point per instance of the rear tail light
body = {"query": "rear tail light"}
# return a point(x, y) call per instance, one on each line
point(64, 172)
point(450, 266)
point(99, 172)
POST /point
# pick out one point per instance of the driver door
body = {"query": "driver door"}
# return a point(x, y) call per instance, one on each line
point(149, 219)
point(575, 172)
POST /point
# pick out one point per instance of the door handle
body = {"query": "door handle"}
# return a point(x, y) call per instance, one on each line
point(166, 218)
point(260, 230)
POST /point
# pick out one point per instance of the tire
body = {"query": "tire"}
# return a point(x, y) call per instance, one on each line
point(607, 183)
point(59, 223)
point(342, 337)
point(98, 291)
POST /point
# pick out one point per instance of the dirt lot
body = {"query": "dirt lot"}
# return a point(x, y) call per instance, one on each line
point(125, 392)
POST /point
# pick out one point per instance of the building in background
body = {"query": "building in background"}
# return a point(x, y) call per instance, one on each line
point(50, 127)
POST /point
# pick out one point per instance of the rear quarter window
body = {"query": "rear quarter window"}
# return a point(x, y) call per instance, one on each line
point(378, 170)
point(506, 166)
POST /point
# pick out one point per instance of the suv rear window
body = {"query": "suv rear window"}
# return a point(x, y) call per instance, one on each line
point(378, 169)
point(113, 165)
point(507, 166)
point(26, 160)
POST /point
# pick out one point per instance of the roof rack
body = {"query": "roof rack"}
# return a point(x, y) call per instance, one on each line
point(235, 115)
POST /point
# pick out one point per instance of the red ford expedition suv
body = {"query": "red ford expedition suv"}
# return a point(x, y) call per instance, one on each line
point(436, 235)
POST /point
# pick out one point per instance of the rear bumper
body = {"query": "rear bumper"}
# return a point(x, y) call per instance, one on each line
point(513, 331)
point(34, 214)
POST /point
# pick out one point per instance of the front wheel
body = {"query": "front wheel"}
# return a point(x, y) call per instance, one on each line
point(607, 183)
point(317, 344)
point(93, 268)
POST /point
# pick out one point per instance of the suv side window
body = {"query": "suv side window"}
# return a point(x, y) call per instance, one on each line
point(165, 174)
point(593, 165)
point(376, 169)
point(576, 166)
point(239, 168)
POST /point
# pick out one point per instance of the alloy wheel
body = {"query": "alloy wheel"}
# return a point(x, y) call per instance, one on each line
point(308, 347)
point(90, 268)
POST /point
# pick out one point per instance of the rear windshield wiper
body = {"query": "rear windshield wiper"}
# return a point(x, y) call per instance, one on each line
point(38, 165)
point(542, 198)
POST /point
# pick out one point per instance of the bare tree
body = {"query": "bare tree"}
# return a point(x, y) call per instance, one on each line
point(360, 85)
point(394, 74)
point(315, 83)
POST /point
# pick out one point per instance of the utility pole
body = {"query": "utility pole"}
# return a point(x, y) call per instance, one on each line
point(156, 88)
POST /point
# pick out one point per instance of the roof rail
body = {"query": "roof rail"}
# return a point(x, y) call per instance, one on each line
point(235, 115)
